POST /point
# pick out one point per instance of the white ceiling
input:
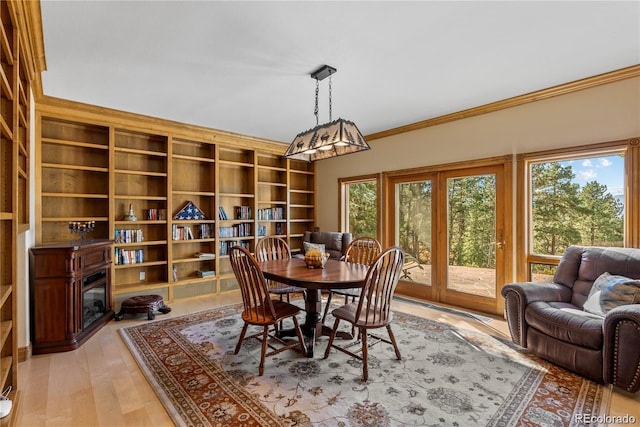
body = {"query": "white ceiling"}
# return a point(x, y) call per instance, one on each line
point(244, 66)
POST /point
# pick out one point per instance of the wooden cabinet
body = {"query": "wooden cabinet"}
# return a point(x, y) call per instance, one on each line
point(70, 294)
point(95, 164)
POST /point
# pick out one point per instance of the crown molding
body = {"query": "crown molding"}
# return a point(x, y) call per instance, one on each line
point(28, 17)
point(563, 89)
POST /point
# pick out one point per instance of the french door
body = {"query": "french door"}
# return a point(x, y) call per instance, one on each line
point(451, 225)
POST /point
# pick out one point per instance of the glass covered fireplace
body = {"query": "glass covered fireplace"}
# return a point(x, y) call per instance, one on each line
point(94, 297)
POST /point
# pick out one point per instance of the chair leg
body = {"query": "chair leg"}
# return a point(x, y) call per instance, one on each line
point(353, 327)
point(279, 327)
point(326, 307)
point(303, 346)
point(332, 336)
point(365, 355)
point(393, 342)
point(242, 334)
point(265, 336)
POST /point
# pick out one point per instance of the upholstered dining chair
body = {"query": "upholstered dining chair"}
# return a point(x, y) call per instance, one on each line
point(362, 250)
point(269, 248)
point(373, 308)
point(258, 307)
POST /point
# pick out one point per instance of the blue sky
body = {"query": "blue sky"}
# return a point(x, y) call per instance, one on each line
point(607, 170)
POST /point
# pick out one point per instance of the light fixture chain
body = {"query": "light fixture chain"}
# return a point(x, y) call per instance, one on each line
point(315, 111)
point(330, 106)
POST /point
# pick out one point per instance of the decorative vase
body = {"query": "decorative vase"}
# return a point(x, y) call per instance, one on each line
point(131, 216)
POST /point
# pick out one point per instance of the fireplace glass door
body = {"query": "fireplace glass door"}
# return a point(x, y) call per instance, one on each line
point(94, 297)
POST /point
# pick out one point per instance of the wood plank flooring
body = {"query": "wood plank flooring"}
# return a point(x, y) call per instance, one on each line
point(100, 384)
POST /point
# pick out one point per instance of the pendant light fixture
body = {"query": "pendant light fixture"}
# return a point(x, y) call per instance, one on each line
point(330, 139)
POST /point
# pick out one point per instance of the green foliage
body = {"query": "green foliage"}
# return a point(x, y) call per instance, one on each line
point(472, 221)
point(414, 219)
point(363, 200)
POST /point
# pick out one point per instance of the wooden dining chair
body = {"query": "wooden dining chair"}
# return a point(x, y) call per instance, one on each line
point(373, 309)
point(269, 248)
point(362, 250)
point(258, 307)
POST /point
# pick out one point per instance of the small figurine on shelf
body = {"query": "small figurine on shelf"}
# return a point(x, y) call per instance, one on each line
point(131, 216)
point(81, 228)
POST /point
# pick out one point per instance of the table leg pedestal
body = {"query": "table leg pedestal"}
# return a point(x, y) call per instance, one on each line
point(312, 326)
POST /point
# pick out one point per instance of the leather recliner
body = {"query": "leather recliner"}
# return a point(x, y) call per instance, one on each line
point(548, 318)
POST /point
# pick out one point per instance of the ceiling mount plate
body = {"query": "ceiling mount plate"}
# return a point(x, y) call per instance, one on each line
point(323, 72)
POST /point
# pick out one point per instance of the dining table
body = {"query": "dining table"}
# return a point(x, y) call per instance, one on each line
point(334, 275)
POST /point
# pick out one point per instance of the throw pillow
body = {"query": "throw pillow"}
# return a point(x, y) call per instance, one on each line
point(609, 291)
point(309, 245)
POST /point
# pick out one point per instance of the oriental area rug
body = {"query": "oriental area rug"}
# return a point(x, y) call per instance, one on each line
point(448, 376)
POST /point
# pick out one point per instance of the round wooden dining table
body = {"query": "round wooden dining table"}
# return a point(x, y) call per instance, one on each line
point(334, 275)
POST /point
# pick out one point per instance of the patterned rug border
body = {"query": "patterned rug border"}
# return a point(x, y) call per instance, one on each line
point(254, 409)
point(589, 394)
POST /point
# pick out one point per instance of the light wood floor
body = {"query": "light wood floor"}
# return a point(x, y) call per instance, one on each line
point(100, 384)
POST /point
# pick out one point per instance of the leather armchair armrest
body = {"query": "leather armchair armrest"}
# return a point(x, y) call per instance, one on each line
point(530, 292)
point(622, 347)
point(518, 295)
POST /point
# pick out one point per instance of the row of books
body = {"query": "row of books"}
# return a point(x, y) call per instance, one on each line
point(225, 247)
point(128, 236)
point(239, 230)
point(270, 214)
point(262, 229)
point(202, 231)
point(242, 212)
point(124, 256)
point(156, 214)
point(181, 233)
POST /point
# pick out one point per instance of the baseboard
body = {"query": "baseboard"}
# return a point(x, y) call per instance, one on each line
point(24, 353)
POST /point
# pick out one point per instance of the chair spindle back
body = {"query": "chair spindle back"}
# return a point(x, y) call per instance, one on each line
point(253, 286)
point(270, 248)
point(363, 250)
point(382, 278)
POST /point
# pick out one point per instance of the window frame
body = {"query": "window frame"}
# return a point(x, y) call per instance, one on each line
point(630, 148)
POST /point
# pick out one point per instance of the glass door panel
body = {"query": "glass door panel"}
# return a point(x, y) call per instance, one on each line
point(413, 216)
point(451, 225)
point(471, 223)
point(413, 227)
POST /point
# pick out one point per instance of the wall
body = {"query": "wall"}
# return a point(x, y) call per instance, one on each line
point(603, 113)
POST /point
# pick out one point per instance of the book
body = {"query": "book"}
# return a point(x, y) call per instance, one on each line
point(204, 255)
point(205, 273)
point(221, 213)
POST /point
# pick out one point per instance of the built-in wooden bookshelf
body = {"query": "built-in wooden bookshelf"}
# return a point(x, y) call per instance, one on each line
point(301, 201)
point(101, 165)
point(16, 74)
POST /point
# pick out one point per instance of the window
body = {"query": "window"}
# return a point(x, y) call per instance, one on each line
point(360, 206)
point(578, 196)
point(577, 202)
